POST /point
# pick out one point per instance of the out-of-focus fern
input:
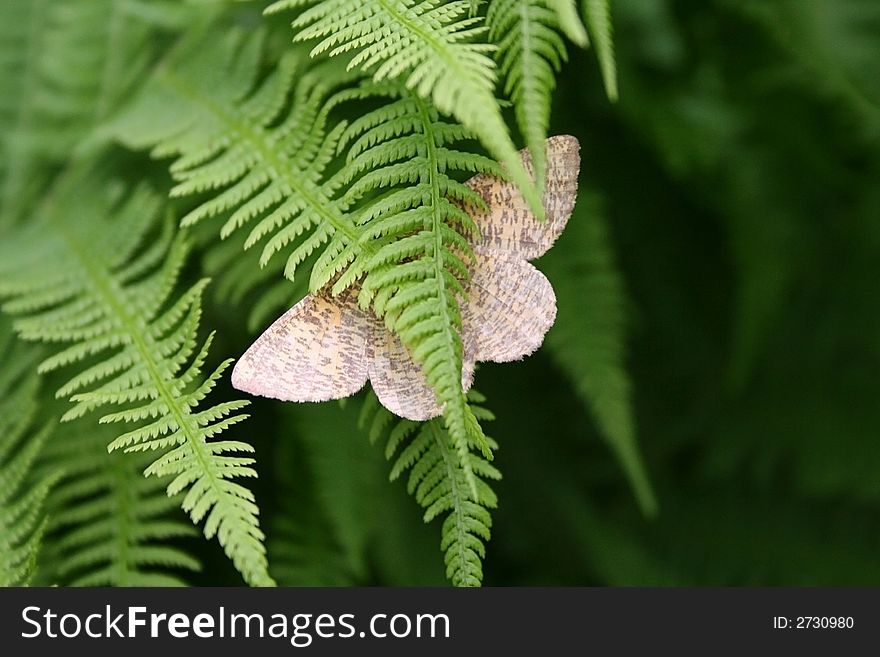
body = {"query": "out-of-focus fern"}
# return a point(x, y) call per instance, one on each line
point(530, 53)
point(588, 340)
point(82, 273)
point(439, 480)
point(835, 40)
point(110, 525)
point(598, 18)
point(569, 20)
point(22, 28)
point(769, 539)
point(64, 66)
point(428, 45)
point(336, 484)
point(22, 495)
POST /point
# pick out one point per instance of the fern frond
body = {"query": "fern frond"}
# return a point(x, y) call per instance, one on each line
point(590, 347)
point(22, 494)
point(597, 16)
point(530, 54)
point(86, 277)
point(407, 247)
point(428, 45)
point(419, 237)
point(261, 152)
point(439, 481)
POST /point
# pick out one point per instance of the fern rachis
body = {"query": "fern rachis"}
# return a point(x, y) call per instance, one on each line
point(443, 479)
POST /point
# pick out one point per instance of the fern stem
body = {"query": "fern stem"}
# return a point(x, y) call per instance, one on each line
point(449, 330)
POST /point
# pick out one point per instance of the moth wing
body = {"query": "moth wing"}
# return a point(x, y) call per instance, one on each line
point(508, 225)
point(317, 350)
point(400, 384)
point(510, 307)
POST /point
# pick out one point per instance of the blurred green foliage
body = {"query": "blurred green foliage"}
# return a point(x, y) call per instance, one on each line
point(741, 176)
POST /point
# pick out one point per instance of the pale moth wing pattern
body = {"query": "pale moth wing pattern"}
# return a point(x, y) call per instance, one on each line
point(327, 347)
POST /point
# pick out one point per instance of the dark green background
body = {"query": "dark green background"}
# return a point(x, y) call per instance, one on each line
point(740, 174)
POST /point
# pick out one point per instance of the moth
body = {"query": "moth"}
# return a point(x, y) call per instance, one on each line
point(327, 347)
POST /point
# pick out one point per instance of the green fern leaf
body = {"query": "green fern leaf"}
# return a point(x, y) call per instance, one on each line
point(90, 284)
point(570, 21)
point(429, 46)
point(274, 172)
point(419, 235)
point(230, 140)
point(439, 480)
point(597, 15)
point(590, 347)
point(530, 53)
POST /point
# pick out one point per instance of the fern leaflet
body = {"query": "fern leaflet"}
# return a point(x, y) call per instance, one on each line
point(570, 21)
point(438, 478)
point(230, 140)
point(530, 53)
point(598, 15)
